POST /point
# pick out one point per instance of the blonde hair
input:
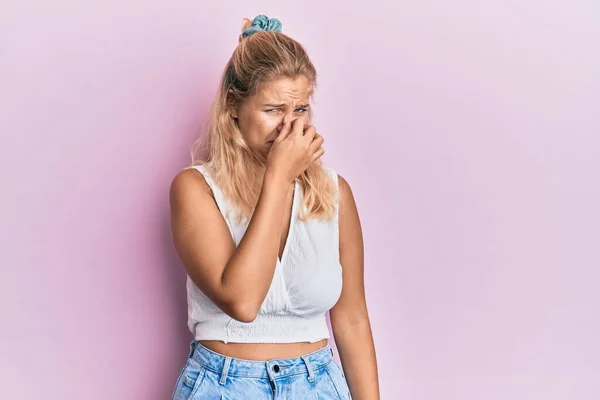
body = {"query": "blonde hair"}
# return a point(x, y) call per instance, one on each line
point(258, 58)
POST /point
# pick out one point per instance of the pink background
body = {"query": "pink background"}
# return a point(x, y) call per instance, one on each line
point(468, 132)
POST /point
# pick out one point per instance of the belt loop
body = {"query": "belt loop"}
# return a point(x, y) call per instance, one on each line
point(311, 375)
point(225, 370)
point(192, 347)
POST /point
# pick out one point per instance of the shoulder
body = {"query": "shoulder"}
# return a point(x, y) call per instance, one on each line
point(350, 231)
point(347, 202)
point(337, 178)
point(348, 208)
point(342, 183)
point(188, 182)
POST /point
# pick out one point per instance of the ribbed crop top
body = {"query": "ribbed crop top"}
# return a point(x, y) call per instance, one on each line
point(306, 284)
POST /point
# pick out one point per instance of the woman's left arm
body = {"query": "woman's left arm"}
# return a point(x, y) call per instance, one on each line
point(349, 317)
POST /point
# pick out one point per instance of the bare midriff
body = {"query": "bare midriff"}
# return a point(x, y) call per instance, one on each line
point(263, 351)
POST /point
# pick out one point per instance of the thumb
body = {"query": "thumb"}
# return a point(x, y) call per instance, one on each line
point(284, 132)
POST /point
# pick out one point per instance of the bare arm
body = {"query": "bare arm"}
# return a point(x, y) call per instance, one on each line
point(350, 317)
point(235, 279)
point(238, 279)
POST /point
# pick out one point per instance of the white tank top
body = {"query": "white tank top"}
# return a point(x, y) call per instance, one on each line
point(306, 284)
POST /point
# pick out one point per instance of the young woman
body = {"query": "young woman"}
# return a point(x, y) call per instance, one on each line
point(271, 241)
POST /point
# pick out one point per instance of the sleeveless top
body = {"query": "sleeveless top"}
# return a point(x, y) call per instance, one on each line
point(306, 284)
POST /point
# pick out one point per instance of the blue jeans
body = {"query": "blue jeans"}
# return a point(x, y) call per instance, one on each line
point(213, 376)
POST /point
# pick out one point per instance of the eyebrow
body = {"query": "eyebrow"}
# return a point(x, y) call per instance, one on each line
point(281, 105)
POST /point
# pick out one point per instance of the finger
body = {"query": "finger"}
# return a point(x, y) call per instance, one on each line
point(309, 133)
point(284, 132)
point(318, 154)
point(298, 126)
point(317, 142)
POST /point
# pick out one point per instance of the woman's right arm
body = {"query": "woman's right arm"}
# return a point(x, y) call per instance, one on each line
point(237, 280)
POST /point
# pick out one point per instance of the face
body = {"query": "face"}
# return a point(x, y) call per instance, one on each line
point(261, 117)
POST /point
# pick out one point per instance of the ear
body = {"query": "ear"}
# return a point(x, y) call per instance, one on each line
point(234, 113)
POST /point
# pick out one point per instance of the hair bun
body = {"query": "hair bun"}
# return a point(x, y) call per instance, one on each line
point(262, 23)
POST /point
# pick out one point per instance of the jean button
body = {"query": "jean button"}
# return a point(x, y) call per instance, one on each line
point(276, 368)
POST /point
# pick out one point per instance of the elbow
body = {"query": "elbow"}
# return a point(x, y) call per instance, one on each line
point(245, 318)
point(242, 311)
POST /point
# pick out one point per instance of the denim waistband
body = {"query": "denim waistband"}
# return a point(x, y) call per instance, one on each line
point(272, 369)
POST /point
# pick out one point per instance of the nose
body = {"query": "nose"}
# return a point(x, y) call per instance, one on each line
point(287, 118)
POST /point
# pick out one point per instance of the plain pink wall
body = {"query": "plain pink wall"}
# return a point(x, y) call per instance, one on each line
point(468, 132)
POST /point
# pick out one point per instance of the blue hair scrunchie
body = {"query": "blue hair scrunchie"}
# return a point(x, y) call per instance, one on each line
point(262, 23)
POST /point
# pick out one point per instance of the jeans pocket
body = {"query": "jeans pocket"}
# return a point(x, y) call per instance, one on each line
point(189, 381)
point(339, 380)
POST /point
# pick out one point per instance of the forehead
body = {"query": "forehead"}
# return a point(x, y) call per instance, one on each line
point(284, 90)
